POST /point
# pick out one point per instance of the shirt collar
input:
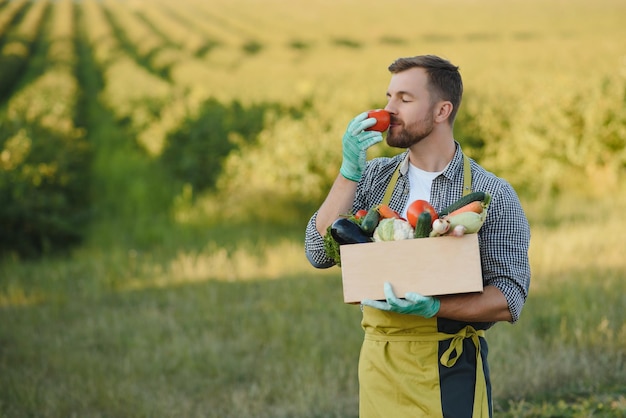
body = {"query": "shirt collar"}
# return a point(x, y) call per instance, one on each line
point(455, 166)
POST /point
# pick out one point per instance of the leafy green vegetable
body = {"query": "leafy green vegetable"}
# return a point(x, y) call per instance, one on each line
point(331, 247)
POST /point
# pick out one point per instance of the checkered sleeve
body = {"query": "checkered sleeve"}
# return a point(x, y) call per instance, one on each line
point(370, 191)
point(314, 246)
point(504, 242)
point(504, 237)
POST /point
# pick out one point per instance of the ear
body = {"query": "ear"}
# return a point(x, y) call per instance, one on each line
point(442, 111)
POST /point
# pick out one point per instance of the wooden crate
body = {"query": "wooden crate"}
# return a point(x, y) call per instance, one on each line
point(429, 266)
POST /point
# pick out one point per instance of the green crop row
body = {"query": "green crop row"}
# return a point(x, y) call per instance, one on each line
point(44, 157)
point(16, 49)
point(8, 13)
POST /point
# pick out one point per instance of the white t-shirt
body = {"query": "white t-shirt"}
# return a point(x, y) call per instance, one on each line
point(420, 183)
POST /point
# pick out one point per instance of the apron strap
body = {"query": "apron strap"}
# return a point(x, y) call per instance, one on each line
point(467, 180)
point(391, 185)
point(467, 176)
point(450, 356)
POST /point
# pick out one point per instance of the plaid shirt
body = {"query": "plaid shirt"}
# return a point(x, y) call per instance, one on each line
point(503, 239)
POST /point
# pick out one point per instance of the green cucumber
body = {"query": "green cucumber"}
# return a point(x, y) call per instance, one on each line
point(467, 199)
point(370, 221)
point(424, 225)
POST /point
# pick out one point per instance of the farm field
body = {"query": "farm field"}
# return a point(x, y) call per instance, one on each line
point(159, 162)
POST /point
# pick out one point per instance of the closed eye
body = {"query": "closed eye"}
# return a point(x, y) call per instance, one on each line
point(404, 96)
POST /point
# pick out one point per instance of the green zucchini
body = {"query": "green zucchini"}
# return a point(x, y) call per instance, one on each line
point(424, 225)
point(370, 221)
point(467, 199)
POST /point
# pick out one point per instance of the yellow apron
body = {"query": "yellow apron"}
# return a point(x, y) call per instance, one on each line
point(399, 370)
point(398, 365)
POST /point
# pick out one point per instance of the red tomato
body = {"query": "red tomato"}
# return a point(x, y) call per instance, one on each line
point(382, 120)
point(416, 208)
point(360, 213)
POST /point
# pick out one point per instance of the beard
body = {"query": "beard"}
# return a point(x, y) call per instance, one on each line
point(411, 134)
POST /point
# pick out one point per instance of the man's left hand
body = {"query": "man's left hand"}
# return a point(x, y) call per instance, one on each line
point(413, 303)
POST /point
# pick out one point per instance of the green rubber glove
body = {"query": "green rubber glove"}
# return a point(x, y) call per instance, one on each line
point(356, 141)
point(414, 303)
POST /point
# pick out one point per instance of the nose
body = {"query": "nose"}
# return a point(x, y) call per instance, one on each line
point(390, 107)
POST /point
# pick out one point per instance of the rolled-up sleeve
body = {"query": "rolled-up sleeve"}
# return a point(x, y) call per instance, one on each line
point(314, 246)
point(370, 191)
point(504, 242)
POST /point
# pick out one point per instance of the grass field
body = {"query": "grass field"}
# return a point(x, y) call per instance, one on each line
point(214, 130)
point(126, 333)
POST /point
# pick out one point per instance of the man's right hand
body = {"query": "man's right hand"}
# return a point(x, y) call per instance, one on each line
point(356, 141)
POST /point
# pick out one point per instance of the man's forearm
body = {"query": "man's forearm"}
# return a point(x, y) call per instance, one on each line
point(488, 306)
point(338, 202)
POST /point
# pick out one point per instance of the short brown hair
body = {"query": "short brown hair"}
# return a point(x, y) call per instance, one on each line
point(444, 79)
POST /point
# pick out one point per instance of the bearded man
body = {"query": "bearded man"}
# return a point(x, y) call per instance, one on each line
point(425, 356)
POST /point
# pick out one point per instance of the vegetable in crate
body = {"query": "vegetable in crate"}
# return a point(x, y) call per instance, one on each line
point(465, 216)
point(393, 229)
point(424, 225)
point(370, 221)
point(416, 208)
point(467, 222)
point(344, 231)
point(483, 197)
point(459, 224)
point(440, 227)
point(386, 212)
point(360, 214)
point(331, 247)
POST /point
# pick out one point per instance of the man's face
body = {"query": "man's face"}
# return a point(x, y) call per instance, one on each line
point(409, 103)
